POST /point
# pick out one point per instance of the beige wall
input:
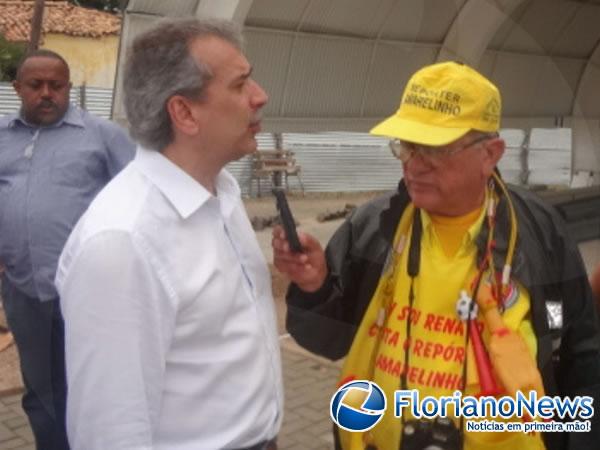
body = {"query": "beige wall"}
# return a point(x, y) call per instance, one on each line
point(92, 60)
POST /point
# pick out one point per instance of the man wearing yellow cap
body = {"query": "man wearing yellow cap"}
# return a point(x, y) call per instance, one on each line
point(453, 283)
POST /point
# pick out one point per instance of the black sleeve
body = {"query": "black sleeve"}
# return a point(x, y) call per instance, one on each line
point(579, 368)
point(324, 322)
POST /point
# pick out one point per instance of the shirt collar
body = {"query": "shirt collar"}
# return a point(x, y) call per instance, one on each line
point(472, 231)
point(181, 190)
point(71, 117)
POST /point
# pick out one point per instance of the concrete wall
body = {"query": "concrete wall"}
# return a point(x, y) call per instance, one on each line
point(93, 61)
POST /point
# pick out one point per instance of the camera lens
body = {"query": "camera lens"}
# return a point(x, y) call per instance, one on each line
point(438, 434)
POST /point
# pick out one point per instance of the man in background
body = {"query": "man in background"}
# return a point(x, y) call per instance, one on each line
point(170, 323)
point(54, 158)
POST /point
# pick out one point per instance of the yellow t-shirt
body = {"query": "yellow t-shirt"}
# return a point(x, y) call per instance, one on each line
point(437, 336)
point(451, 231)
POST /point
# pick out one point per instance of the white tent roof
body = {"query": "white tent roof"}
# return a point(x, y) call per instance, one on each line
point(342, 64)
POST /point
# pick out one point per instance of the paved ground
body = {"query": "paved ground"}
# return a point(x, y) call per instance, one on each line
point(309, 384)
point(14, 428)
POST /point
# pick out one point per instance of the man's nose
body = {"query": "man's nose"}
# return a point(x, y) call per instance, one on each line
point(259, 96)
point(46, 92)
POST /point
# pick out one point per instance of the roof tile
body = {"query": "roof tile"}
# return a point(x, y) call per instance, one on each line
point(59, 17)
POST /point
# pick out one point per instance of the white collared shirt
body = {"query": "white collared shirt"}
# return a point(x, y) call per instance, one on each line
point(171, 339)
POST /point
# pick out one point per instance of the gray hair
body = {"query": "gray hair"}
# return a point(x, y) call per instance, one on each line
point(159, 66)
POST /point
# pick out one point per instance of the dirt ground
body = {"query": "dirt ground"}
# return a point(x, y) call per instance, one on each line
point(305, 209)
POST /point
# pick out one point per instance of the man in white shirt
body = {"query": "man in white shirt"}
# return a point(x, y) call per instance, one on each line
point(170, 328)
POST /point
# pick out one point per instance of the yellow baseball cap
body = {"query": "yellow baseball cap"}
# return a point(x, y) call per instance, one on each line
point(441, 103)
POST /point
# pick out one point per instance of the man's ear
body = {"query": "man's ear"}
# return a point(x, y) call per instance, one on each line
point(493, 151)
point(182, 116)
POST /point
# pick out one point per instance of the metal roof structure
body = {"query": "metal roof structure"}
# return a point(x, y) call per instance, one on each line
point(333, 65)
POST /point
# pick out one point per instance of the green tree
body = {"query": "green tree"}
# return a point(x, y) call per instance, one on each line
point(10, 55)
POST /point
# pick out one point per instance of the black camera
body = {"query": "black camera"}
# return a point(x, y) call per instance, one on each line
point(437, 434)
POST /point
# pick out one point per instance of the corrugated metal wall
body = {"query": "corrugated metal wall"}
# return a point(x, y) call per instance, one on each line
point(347, 162)
point(334, 162)
point(9, 101)
point(354, 162)
point(98, 101)
point(330, 162)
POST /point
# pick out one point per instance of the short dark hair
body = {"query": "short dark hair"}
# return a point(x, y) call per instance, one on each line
point(43, 53)
point(159, 66)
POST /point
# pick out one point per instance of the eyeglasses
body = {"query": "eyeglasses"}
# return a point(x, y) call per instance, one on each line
point(404, 151)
